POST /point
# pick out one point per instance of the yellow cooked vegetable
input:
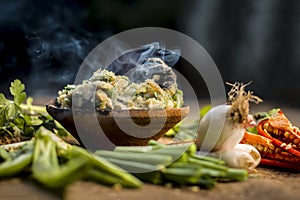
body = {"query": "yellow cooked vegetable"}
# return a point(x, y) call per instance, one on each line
point(109, 91)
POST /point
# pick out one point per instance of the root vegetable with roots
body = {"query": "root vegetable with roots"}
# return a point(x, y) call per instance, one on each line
point(223, 127)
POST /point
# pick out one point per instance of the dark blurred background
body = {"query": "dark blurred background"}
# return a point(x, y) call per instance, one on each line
point(44, 42)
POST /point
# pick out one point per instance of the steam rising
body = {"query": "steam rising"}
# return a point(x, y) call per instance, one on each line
point(55, 54)
point(154, 68)
point(150, 61)
point(55, 43)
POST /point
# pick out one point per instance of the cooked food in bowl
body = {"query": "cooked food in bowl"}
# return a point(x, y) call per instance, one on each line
point(111, 91)
point(147, 97)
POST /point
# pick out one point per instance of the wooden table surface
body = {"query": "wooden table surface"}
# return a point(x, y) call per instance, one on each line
point(264, 184)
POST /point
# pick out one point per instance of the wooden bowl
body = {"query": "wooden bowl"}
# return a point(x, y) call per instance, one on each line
point(121, 127)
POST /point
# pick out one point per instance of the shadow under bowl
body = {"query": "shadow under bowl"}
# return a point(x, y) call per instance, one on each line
point(134, 127)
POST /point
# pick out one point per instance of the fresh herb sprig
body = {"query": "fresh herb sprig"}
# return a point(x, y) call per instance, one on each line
point(19, 121)
point(9, 110)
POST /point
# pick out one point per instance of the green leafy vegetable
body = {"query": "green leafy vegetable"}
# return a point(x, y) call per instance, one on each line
point(18, 121)
point(10, 110)
point(265, 115)
point(17, 89)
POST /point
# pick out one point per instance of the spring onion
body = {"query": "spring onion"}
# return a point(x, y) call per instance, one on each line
point(186, 168)
point(223, 127)
point(55, 164)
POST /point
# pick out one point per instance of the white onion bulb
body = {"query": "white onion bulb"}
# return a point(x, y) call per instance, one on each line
point(223, 127)
point(223, 132)
point(241, 156)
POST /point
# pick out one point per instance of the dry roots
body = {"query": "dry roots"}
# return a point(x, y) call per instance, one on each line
point(239, 100)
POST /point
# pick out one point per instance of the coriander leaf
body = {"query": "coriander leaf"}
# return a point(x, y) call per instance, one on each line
point(3, 100)
point(2, 117)
point(8, 110)
point(32, 120)
point(12, 111)
point(3, 104)
point(17, 90)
